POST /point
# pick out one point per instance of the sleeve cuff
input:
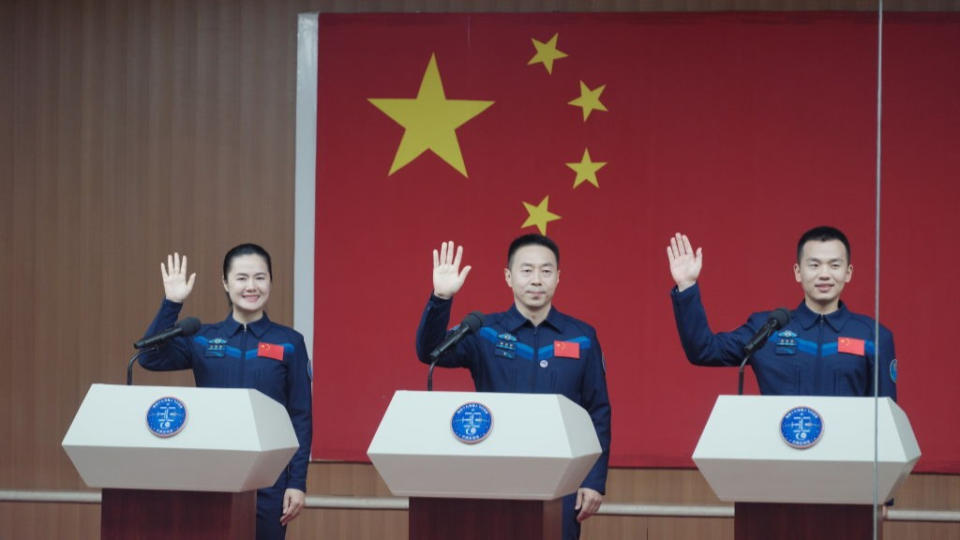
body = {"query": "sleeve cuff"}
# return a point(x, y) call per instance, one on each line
point(172, 306)
point(437, 301)
point(689, 291)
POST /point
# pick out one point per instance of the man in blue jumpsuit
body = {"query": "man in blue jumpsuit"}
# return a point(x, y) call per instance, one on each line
point(531, 348)
point(824, 350)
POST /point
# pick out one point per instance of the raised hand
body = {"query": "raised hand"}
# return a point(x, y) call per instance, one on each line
point(685, 265)
point(447, 276)
point(176, 286)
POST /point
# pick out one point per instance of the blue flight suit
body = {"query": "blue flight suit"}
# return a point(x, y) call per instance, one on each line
point(226, 355)
point(510, 354)
point(814, 355)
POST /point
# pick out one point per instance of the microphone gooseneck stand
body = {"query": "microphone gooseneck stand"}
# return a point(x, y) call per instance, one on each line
point(740, 374)
point(134, 359)
point(430, 373)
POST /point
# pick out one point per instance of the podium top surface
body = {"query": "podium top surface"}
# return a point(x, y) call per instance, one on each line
point(223, 439)
point(805, 448)
point(535, 446)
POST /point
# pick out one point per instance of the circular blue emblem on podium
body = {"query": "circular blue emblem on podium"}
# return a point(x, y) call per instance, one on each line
point(166, 417)
point(801, 427)
point(471, 422)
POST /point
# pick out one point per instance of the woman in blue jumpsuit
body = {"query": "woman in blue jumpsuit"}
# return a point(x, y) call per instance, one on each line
point(245, 350)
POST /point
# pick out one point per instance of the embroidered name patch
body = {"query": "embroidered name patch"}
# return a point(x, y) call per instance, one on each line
point(216, 347)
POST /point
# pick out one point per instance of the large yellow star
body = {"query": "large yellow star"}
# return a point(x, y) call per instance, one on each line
point(539, 215)
point(586, 170)
point(589, 100)
point(546, 53)
point(430, 121)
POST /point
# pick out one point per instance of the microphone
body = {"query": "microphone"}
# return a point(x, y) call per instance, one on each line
point(186, 327)
point(471, 323)
point(778, 319)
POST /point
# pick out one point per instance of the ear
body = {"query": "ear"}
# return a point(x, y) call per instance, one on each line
point(796, 271)
point(506, 277)
point(226, 287)
point(849, 274)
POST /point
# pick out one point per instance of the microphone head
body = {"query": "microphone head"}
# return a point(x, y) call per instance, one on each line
point(473, 321)
point(188, 326)
point(780, 316)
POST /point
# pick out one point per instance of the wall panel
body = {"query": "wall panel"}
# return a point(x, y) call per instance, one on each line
point(132, 129)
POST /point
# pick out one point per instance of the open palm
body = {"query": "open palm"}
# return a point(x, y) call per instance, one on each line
point(685, 264)
point(448, 278)
point(176, 285)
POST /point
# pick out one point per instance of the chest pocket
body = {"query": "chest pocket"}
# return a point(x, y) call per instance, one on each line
point(851, 375)
point(565, 375)
point(778, 374)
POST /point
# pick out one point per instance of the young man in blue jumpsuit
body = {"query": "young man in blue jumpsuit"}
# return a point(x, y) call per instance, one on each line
point(245, 350)
point(531, 348)
point(824, 350)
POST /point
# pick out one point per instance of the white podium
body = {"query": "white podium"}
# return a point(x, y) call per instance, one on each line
point(539, 448)
point(826, 487)
point(197, 483)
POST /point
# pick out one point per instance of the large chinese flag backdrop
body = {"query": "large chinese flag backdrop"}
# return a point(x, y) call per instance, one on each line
point(610, 133)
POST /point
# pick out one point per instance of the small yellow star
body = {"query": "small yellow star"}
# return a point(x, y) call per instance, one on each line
point(586, 170)
point(546, 53)
point(589, 100)
point(539, 215)
point(430, 121)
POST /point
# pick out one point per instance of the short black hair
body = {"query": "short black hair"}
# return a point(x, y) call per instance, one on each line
point(532, 240)
point(823, 233)
point(245, 249)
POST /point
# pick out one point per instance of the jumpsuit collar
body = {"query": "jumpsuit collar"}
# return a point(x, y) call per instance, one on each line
point(807, 317)
point(514, 319)
point(257, 328)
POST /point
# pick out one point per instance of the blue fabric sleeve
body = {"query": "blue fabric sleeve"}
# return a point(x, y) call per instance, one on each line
point(299, 407)
point(888, 386)
point(701, 345)
point(174, 353)
point(596, 401)
point(432, 331)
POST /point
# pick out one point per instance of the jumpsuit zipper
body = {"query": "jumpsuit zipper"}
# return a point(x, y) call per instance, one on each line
point(243, 356)
point(536, 358)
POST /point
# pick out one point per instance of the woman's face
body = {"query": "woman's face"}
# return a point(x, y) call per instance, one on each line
point(248, 286)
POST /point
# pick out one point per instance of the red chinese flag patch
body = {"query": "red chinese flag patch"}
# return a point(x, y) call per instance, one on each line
point(850, 345)
point(269, 350)
point(566, 349)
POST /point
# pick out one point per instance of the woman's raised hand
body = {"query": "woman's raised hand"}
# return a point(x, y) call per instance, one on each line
point(176, 285)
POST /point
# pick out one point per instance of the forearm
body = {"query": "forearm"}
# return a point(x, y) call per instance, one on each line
point(433, 326)
point(597, 403)
point(298, 463)
point(701, 346)
point(597, 477)
point(173, 354)
point(300, 409)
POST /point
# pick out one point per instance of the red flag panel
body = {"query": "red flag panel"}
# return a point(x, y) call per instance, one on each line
point(610, 132)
